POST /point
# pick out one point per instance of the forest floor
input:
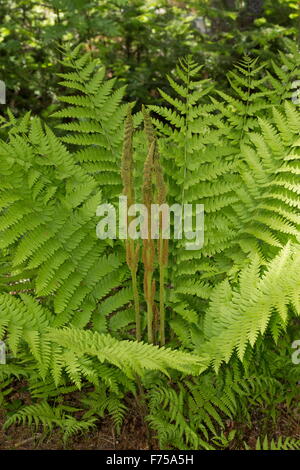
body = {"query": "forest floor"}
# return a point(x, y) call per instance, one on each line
point(134, 434)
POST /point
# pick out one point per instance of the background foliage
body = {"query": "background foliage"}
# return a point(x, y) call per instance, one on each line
point(138, 41)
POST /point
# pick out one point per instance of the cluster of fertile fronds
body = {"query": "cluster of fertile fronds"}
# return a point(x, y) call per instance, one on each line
point(148, 242)
point(161, 199)
point(132, 249)
point(162, 246)
point(152, 173)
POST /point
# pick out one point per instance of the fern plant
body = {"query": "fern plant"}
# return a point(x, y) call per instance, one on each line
point(71, 304)
point(244, 170)
point(287, 443)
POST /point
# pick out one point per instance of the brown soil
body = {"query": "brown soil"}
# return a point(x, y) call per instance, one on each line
point(133, 437)
point(134, 434)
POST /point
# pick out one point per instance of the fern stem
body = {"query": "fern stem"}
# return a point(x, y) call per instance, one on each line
point(162, 305)
point(148, 243)
point(132, 251)
point(163, 263)
point(149, 306)
point(136, 300)
point(162, 243)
